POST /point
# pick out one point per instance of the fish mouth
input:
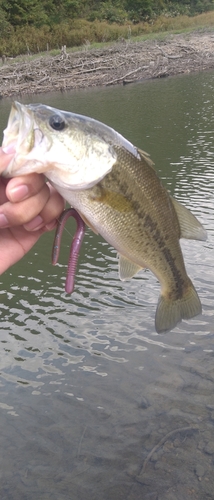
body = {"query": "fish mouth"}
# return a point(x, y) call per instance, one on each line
point(19, 122)
point(19, 138)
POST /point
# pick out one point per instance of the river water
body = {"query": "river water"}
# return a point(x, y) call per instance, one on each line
point(93, 403)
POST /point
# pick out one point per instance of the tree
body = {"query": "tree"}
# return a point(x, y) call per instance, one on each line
point(22, 12)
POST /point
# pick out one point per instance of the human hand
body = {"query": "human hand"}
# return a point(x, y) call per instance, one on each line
point(28, 207)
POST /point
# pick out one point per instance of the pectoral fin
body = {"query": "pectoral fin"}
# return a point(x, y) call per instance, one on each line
point(127, 268)
point(190, 227)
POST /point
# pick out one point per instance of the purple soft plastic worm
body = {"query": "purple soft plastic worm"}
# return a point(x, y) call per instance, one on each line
point(75, 246)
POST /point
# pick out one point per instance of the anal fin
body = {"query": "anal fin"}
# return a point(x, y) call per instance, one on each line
point(127, 268)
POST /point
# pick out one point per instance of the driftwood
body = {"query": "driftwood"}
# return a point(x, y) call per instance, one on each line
point(112, 65)
point(123, 77)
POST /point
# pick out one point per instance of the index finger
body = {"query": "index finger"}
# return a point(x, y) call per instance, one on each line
point(24, 186)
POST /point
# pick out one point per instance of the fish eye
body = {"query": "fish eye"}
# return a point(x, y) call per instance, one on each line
point(57, 123)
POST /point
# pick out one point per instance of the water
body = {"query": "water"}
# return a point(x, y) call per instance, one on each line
point(93, 403)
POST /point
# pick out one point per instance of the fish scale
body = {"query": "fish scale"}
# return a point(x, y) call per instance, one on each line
point(133, 232)
point(115, 189)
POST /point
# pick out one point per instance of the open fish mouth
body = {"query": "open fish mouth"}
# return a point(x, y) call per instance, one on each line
point(19, 133)
point(25, 139)
point(11, 133)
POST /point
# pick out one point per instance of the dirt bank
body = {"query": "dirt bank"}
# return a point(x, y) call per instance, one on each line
point(121, 63)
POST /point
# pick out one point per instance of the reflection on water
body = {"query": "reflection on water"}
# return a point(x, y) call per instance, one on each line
point(93, 403)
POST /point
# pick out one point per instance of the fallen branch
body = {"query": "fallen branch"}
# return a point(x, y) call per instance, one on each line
point(161, 442)
point(167, 55)
point(125, 76)
point(43, 80)
point(109, 66)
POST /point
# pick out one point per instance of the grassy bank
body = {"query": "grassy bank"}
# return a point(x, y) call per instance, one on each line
point(31, 40)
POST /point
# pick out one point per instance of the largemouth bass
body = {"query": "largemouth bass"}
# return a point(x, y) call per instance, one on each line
point(116, 191)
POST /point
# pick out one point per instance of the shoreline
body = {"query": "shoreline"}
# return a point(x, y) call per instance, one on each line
point(122, 63)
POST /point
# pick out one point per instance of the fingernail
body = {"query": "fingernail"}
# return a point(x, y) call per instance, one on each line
point(9, 150)
point(34, 224)
point(18, 193)
point(3, 221)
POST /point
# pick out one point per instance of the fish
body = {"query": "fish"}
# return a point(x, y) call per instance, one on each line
point(115, 189)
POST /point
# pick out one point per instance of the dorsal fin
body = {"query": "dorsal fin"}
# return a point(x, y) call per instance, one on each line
point(146, 157)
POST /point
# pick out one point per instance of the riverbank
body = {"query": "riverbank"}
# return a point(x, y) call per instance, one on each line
point(123, 62)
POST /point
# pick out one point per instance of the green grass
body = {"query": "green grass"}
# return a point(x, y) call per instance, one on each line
point(85, 35)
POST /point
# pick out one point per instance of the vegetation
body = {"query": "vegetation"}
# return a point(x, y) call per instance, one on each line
point(32, 26)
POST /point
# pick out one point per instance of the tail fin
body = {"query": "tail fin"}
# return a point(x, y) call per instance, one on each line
point(170, 312)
